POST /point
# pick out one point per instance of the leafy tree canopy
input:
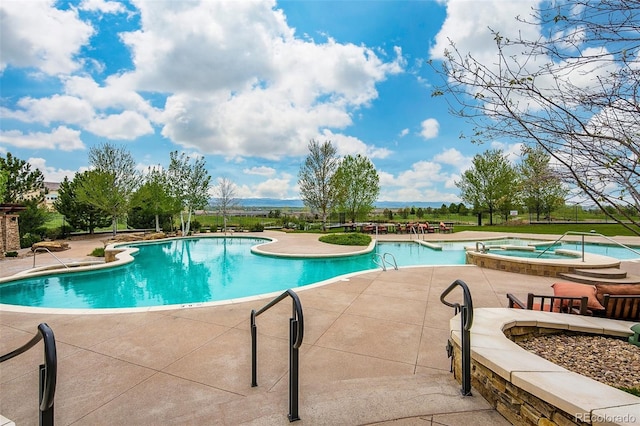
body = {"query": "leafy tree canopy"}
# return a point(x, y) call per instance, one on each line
point(20, 181)
point(79, 215)
point(314, 179)
point(491, 183)
point(358, 186)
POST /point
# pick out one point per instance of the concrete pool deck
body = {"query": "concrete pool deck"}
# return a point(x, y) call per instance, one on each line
point(373, 351)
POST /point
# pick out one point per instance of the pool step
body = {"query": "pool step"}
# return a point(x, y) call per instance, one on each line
point(608, 273)
point(604, 275)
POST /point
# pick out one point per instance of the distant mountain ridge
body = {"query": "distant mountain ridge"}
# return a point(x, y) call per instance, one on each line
point(296, 203)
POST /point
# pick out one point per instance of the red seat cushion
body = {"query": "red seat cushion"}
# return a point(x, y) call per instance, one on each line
point(562, 289)
point(547, 307)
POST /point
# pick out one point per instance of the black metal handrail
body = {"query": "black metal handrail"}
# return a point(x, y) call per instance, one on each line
point(466, 321)
point(296, 334)
point(48, 370)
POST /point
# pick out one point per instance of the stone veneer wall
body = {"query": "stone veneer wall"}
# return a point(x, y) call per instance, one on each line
point(514, 404)
point(518, 266)
point(9, 233)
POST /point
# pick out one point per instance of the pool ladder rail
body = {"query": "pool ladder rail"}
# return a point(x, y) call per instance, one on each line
point(296, 334)
point(48, 371)
point(382, 261)
point(466, 322)
point(37, 249)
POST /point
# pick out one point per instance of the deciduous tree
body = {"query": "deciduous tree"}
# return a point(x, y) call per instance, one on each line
point(110, 182)
point(542, 189)
point(190, 184)
point(154, 198)
point(225, 198)
point(358, 186)
point(490, 183)
point(79, 215)
point(314, 179)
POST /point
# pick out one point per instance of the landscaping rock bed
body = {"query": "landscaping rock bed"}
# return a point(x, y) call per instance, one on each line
point(609, 360)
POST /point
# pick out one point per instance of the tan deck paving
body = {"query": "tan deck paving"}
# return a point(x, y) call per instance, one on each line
point(373, 353)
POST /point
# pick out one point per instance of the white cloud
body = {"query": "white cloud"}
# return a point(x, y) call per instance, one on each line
point(258, 91)
point(469, 27)
point(349, 145)
point(272, 188)
point(103, 6)
point(82, 106)
point(260, 171)
point(51, 174)
point(127, 125)
point(512, 151)
point(403, 133)
point(454, 158)
point(113, 95)
point(62, 138)
point(58, 108)
point(36, 34)
point(430, 128)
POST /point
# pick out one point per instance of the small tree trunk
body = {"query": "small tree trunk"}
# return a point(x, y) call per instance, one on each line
point(189, 221)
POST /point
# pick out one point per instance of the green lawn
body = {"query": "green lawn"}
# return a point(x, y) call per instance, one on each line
point(609, 230)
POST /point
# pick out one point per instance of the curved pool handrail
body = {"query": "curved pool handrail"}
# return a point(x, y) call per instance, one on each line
point(50, 366)
point(468, 302)
point(37, 249)
point(466, 321)
point(296, 333)
point(586, 234)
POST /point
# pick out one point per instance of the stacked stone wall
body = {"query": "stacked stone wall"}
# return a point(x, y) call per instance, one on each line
point(9, 233)
point(518, 266)
point(514, 404)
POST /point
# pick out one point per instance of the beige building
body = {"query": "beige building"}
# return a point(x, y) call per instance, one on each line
point(51, 195)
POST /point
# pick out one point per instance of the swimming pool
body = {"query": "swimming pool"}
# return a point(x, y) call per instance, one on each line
point(191, 271)
point(196, 270)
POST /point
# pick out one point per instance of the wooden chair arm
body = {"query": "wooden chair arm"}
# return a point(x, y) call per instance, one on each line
point(515, 302)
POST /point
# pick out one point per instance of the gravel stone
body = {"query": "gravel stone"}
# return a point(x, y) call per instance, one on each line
point(609, 360)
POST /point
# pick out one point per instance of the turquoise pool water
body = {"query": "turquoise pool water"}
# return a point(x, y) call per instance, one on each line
point(199, 270)
point(190, 271)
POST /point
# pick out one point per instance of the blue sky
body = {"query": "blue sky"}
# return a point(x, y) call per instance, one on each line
point(246, 84)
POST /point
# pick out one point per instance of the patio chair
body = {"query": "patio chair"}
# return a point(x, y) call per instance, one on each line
point(444, 228)
point(562, 304)
point(624, 307)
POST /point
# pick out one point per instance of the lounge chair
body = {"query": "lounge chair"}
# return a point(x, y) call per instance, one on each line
point(444, 228)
